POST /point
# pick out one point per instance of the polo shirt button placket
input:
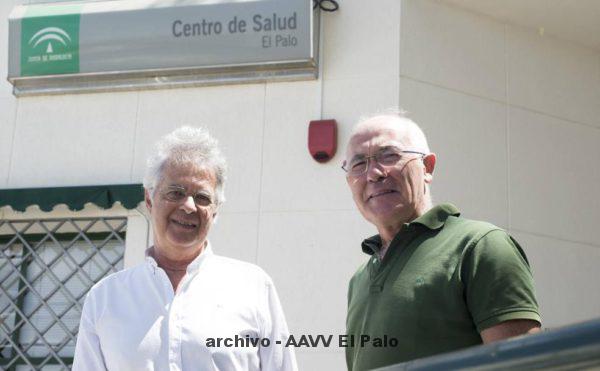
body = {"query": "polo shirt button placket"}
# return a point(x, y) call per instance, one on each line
point(374, 271)
point(375, 288)
point(374, 267)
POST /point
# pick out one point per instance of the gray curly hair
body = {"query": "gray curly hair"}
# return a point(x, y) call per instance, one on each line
point(183, 146)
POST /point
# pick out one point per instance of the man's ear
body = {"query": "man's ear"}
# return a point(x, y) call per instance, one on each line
point(148, 199)
point(429, 162)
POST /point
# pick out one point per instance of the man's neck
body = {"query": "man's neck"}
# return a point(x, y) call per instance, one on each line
point(174, 266)
point(384, 248)
point(387, 232)
point(167, 260)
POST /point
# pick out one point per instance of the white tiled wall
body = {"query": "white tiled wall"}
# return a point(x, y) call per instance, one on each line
point(554, 177)
point(311, 256)
point(67, 140)
point(362, 40)
point(5, 86)
point(553, 77)
point(513, 116)
point(236, 235)
point(321, 360)
point(347, 99)
point(452, 48)
point(468, 135)
point(7, 126)
point(289, 109)
point(566, 276)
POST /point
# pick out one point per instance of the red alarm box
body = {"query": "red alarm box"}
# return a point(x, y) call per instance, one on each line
point(322, 139)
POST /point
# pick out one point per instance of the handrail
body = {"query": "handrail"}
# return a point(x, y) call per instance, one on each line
point(576, 345)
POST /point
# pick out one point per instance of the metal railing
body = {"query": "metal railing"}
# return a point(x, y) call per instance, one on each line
point(46, 268)
point(574, 347)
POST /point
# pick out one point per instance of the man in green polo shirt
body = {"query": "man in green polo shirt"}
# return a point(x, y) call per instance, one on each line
point(435, 282)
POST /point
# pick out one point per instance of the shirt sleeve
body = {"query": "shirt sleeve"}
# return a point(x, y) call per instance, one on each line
point(498, 281)
point(275, 357)
point(88, 354)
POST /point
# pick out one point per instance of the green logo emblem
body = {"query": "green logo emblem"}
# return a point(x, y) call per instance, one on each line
point(50, 45)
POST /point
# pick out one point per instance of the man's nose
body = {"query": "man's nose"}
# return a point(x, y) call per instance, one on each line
point(375, 171)
point(188, 205)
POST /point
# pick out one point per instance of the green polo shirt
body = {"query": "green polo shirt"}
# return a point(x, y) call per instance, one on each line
point(443, 280)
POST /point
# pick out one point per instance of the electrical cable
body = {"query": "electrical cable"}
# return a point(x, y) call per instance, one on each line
point(326, 5)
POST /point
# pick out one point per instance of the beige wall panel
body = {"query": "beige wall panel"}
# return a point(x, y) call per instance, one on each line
point(554, 177)
point(7, 127)
point(311, 256)
point(348, 99)
point(235, 235)
point(468, 134)
point(322, 359)
point(5, 87)
point(291, 179)
point(361, 40)
point(452, 48)
point(137, 238)
point(232, 114)
point(566, 276)
point(553, 77)
point(73, 140)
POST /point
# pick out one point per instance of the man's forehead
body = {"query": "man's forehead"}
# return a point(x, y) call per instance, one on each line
point(373, 137)
point(187, 174)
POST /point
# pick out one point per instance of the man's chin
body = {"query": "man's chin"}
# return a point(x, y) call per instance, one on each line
point(185, 243)
point(389, 215)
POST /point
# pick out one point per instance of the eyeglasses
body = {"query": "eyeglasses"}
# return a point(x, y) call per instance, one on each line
point(179, 194)
point(388, 157)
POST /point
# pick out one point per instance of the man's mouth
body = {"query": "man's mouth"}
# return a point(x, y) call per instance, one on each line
point(381, 193)
point(184, 224)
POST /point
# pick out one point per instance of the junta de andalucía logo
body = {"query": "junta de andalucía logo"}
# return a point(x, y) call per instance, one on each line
point(47, 35)
point(50, 45)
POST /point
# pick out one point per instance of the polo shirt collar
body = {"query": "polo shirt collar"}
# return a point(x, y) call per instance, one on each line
point(433, 219)
point(371, 245)
point(436, 217)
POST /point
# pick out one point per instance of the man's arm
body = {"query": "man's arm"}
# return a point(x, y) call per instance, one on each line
point(276, 357)
point(509, 329)
point(499, 288)
point(88, 355)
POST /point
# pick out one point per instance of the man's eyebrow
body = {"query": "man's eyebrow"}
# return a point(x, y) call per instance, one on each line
point(385, 148)
point(379, 150)
point(357, 157)
point(182, 188)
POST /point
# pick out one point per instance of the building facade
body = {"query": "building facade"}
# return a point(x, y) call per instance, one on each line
point(511, 110)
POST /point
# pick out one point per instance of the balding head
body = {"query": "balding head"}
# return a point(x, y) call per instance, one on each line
point(410, 133)
point(389, 169)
